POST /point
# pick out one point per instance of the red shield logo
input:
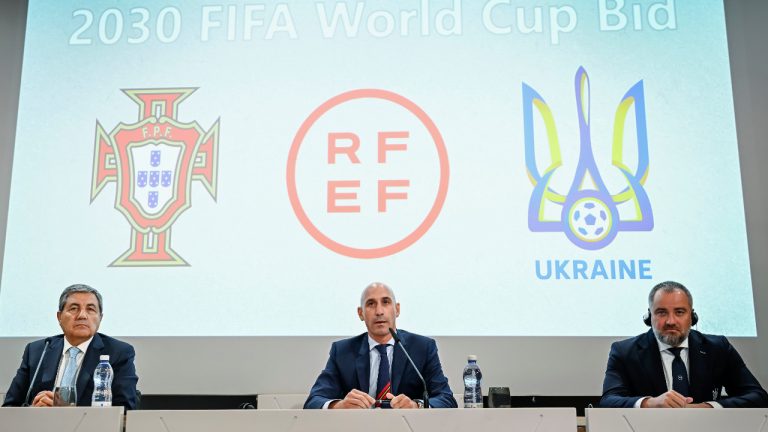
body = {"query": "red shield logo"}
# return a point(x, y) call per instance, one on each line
point(153, 162)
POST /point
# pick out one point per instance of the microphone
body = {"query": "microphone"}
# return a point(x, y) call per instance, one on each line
point(37, 369)
point(399, 342)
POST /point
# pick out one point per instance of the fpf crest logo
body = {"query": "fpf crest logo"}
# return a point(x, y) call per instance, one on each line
point(589, 214)
point(154, 162)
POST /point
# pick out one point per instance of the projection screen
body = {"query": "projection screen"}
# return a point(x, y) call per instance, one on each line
point(255, 165)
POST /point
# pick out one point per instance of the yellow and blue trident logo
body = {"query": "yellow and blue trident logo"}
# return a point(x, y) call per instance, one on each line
point(588, 214)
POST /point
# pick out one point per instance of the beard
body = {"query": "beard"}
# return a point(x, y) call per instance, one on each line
point(671, 339)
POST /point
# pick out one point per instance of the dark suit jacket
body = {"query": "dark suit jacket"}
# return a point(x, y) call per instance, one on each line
point(349, 368)
point(635, 370)
point(121, 357)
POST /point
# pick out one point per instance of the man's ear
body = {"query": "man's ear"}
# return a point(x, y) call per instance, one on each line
point(360, 313)
point(397, 310)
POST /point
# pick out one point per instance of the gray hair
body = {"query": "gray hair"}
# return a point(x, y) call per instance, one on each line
point(79, 288)
point(668, 287)
point(376, 285)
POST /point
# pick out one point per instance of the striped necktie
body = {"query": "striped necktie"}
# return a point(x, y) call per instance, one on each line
point(68, 379)
point(383, 384)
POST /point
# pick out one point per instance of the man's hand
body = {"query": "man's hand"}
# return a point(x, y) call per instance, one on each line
point(42, 399)
point(355, 399)
point(401, 401)
point(670, 399)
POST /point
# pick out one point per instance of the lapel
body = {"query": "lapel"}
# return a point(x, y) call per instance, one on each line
point(398, 363)
point(650, 360)
point(363, 364)
point(90, 360)
point(50, 366)
point(699, 362)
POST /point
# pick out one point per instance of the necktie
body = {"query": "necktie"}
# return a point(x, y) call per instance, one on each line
point(679, 373)
point(68, 379)
point(383, 383)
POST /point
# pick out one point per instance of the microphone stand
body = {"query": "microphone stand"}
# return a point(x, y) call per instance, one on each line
point(399, 342)
point(37, 369)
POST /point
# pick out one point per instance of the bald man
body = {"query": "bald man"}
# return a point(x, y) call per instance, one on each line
point(367, 371)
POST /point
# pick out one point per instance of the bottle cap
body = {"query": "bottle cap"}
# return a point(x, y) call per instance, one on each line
point(472, 357)
point(104, 357)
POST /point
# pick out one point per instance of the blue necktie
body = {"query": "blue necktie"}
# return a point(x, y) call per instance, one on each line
point(679, 373)
point(68, 379)
point(383, 384)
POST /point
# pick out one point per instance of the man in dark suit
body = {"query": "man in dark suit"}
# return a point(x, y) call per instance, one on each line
point(672, 366)
point(358, 371)
point(71, 358)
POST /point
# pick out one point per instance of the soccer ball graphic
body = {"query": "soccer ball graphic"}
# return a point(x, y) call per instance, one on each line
point(590, 219)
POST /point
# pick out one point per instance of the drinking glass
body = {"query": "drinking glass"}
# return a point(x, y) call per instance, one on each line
point(64, 396)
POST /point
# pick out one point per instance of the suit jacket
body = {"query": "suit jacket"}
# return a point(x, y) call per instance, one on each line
point(635, 370)
point(121, 357)
point(349, 368)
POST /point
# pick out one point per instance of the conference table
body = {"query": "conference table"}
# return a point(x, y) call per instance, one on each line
point(442, 420)
point(79, 419)
point(699, 420)
point(69, 419)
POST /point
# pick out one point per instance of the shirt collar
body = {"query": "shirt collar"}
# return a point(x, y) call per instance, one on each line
point(372, 343)
point(664, 347)
point(83, 347)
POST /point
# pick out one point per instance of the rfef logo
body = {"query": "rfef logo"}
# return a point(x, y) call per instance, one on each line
point(154, 162)
point(589, 214)
point(367, 173)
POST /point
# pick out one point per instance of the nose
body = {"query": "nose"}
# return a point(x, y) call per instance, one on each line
point(82, 314)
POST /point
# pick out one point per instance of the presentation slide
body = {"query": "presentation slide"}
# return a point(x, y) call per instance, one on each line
point(521, 168)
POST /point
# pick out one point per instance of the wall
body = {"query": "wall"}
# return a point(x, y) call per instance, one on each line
point(747, 34)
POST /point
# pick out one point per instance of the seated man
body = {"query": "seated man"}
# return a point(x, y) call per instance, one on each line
point(71, 358)
point(359, 369)
point(672, 366)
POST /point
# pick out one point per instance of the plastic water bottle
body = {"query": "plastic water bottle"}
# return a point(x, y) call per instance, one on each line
point(473, 392)
point(102, 383)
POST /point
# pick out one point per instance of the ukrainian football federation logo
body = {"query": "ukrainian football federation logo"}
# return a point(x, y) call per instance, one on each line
point(590, 215)
point(154, 162)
